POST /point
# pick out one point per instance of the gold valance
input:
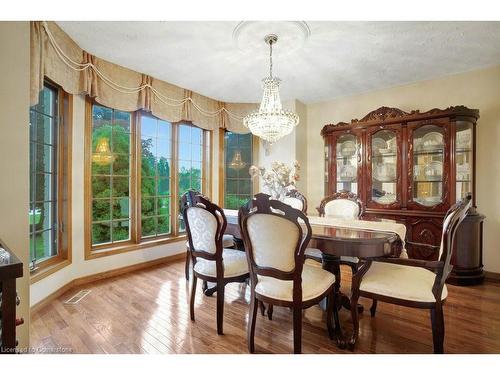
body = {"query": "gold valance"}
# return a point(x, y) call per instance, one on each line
point(56, 56)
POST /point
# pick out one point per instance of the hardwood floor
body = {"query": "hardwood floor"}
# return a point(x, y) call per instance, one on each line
point(147, 312)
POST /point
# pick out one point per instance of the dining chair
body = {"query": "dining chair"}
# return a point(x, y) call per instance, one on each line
point(296, 199)
point(227, 239)
point(412, 282)
point(205, 225)
point(275, 237)
point(342, 204)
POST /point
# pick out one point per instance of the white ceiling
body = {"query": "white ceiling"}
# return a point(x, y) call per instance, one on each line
point(337, 59)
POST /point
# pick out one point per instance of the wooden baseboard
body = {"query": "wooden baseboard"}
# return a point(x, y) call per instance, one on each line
point(103, 275)
point(492, 276)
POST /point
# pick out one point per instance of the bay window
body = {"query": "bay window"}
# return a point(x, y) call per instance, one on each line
point(140, 166)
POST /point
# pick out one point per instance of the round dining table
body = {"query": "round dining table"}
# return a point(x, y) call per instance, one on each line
point(335, 242)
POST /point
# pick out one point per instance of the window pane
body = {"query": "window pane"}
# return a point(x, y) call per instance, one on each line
point(101, 187)
point(120, 230)
point(43, 176)
point(148, 126)
point(111, 158)
point(164, 129)
point(148, 227)
point(196, 136)
point(185, 133)
point(238, 159)
point(120, 142)
point(120, 186)
point(44, 129)
point(163, 205)
point(121, 208)
point(148, 187)
point(156, 144)
point(191, 159)
point(44, 244)
point(101, 209)
point(163, 168)
point(148, 146)
point(148, 207)
point(43, 187)
point(184, 151)
point(163, 224)
point(101, 233)
point(121, 165)
point(148, 166)
point(122, 120)
point(163, 186)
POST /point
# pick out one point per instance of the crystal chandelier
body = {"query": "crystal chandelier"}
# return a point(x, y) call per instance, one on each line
point(237, 162)
point(103, 155)
point(271, 122)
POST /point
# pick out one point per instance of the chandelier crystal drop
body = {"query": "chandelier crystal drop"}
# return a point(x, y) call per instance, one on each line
point(271, 122)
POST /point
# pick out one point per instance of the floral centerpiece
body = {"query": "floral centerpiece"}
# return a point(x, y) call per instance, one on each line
point(277, 180)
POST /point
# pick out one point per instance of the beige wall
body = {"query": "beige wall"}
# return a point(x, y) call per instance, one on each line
point(290, 148)
point(14, 154)
point(301, 133)
point(477, 89)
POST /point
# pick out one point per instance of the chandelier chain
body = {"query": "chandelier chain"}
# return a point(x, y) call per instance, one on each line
point(271, 58)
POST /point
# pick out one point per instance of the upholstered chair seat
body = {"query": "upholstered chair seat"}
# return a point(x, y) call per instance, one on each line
point(315, 282)
point(234, 261)
point(400, 281)
point(227, 241)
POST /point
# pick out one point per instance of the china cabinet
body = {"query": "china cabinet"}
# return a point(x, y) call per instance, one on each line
point(410, 167)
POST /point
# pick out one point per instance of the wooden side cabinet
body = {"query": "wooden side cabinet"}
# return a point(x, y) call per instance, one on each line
point(10, 269)
point(467, 257)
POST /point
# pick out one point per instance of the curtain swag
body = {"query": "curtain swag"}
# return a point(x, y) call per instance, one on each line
point(56, 56)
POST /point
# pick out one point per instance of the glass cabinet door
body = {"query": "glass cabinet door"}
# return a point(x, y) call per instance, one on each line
point(384, 161)
point(463, 158)
point(428, 160)
point(347, 151)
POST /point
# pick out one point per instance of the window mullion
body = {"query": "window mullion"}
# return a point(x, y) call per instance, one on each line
point(137, 169)
point(174, 181)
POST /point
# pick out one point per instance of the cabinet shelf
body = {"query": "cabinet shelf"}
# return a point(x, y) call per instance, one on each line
point(346, 157)
point(391, 155)
point(427, 181)
point(430, 152)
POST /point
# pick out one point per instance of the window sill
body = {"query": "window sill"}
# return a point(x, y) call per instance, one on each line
point(94, 253)
point(48, 269)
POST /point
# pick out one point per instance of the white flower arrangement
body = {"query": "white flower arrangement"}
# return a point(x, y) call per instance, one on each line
point(278, 179)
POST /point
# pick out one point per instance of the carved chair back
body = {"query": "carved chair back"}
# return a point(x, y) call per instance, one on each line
point(342, 204)
point(296, 199)
point(205, 225)
point(275, 240)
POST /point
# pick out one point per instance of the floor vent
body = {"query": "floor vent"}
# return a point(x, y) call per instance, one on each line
point(77, 297)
